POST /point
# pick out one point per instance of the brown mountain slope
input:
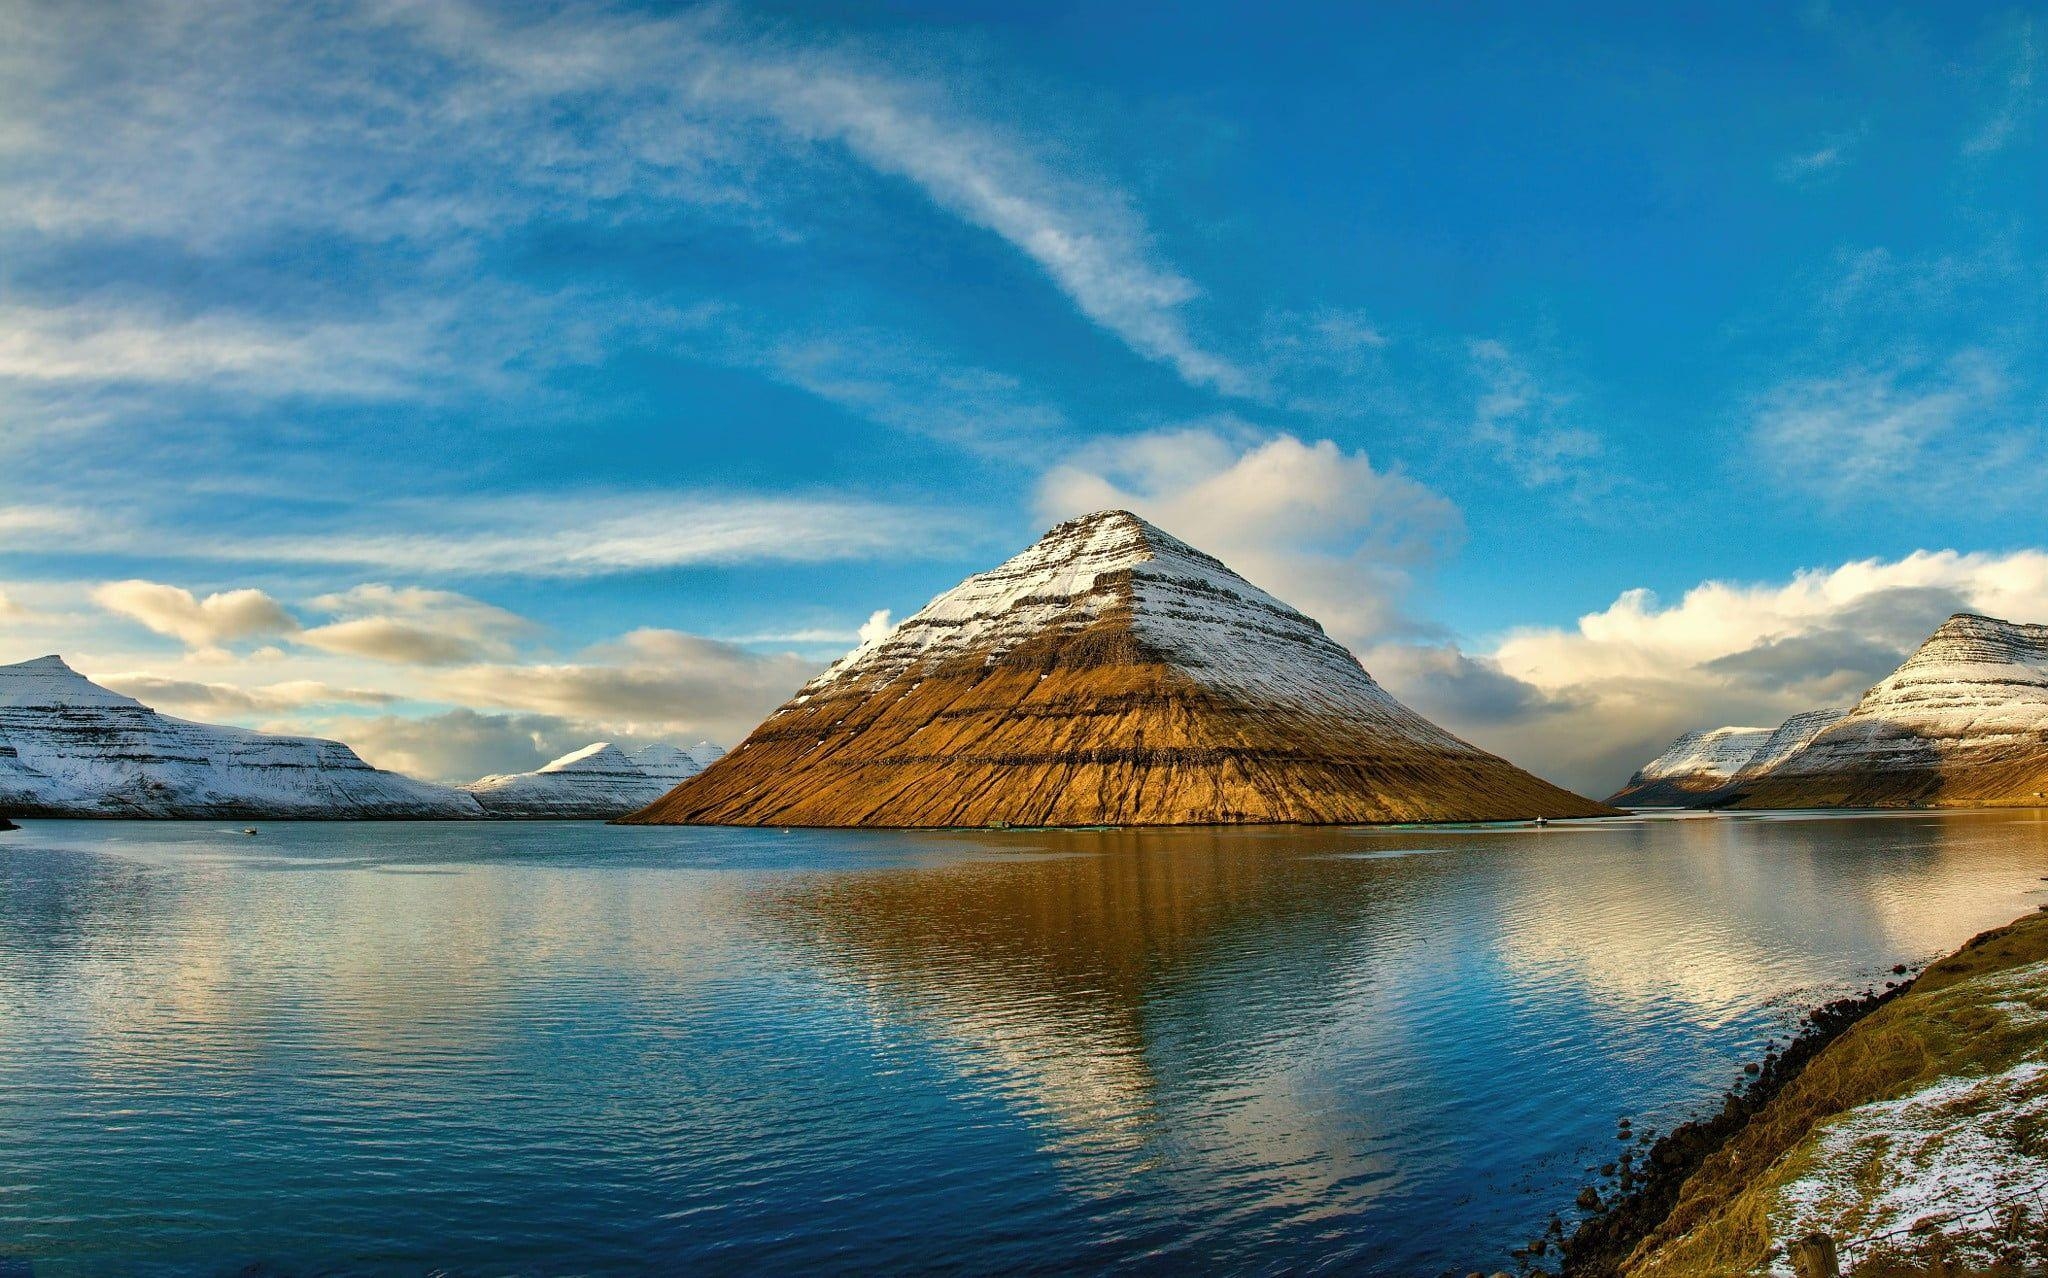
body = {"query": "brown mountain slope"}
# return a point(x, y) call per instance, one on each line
point(1109, 675)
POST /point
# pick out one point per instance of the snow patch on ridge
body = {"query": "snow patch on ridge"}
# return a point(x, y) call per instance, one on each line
point(48, 683)
point(1789, 738)
point(1204, 619)
point(1715, 754)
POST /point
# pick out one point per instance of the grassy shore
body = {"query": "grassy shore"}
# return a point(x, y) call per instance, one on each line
point(1912, 1132)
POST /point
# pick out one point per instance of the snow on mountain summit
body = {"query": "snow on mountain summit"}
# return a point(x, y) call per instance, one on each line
point(69, 747)
point(1107, 674)
point(1186, 606)
point(48, 682)
point(596, 782)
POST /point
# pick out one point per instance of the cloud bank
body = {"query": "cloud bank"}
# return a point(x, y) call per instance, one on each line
point(1587, 704)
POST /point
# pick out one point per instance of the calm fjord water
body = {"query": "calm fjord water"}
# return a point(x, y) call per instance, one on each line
point(572, 1048)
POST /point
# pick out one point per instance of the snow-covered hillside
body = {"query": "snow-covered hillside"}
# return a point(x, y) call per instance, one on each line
point(1192, 612)
point(1788, 739)
point(69, 747)
point(1706, 768)
point(599, 781)
point(1696, 763)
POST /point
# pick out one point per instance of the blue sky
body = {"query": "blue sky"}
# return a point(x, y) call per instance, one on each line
point(469, 380)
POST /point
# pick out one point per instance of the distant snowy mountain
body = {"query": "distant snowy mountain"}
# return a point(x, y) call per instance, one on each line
point(675, 764)
point(1108, 674)
point(597, 782)
point(1963, 721)
point(1694, 766)
point(69, 747)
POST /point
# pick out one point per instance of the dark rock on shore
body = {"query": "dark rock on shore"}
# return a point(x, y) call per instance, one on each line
point(1627, 1215)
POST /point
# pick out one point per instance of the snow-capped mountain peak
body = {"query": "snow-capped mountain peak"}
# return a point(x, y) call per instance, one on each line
point(1108, 673)
point(675, 763)
point(1186, 607)
point(48, 681)
point(595, 782)
point(69, 747)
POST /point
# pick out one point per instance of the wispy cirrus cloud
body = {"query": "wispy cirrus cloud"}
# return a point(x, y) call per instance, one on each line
point(1087, 238)
point(542, 535)
point(1531, 430)
point(1896, 433)
point(80, 343)
point(1833, 154)
point(2016, 93)
point(443, 129)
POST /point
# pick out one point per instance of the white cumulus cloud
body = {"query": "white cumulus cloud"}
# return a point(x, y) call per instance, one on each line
point(1323, 528)
point(1585, 704)
point(198, 623)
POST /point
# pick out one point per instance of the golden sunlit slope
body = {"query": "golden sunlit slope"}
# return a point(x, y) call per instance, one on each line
point(1108, 675)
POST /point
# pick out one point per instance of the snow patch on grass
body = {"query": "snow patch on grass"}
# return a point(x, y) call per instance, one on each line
point(1936, 1167)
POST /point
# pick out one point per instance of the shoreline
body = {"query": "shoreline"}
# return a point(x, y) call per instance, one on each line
point(1649, 1177)
point(1699, 1199)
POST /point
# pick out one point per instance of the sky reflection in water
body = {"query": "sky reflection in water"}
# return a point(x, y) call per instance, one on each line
point(574, 1048)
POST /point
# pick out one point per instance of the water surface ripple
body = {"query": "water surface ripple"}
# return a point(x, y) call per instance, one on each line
point(568, 1048)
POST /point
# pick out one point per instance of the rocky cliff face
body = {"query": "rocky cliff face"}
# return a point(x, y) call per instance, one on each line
point(69, 747)
point(1110, 674)
point(598, 782)
point(1964, 721)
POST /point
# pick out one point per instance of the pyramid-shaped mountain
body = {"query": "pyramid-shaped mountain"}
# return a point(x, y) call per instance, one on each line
point(1109, 675)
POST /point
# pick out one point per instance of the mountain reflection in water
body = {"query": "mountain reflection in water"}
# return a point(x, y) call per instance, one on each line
point(556, 1047)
